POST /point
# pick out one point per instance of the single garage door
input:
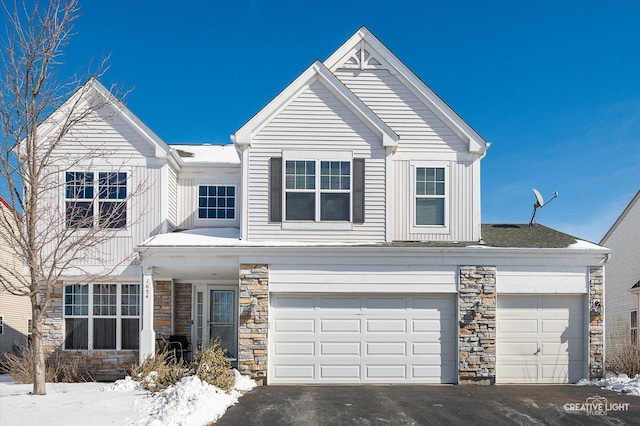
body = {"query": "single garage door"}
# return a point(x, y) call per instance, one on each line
point(362, 339)
point(540, 339)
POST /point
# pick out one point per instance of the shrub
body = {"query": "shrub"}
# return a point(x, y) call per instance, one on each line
point(159, 372)
point(213, 366)
point(623, 357)
point(69, 369)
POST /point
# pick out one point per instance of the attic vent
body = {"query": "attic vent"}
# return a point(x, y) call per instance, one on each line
point(362, 59)
point(184, 154)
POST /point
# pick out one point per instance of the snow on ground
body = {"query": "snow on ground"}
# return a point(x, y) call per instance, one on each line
point(620, 383)
point(188, 402)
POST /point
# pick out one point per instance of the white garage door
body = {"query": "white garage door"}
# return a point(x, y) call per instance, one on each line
point(540, 339)
point(362, 339)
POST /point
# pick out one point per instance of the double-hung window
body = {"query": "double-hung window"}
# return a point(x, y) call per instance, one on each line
point(102, 316)
point(313, 196)
point(430, 196)
point(107, 210)
point(216, 202)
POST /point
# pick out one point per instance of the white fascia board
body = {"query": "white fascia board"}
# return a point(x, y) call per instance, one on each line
point(476, 143)
point(317, 71)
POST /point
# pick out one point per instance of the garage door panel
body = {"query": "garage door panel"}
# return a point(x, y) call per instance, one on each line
point(342, 372)
point(340, 348)
point(386, 348)
point(386, 371)
point(285, 302)
point(294, 348)
point(386, 303)
point(386, 325)
point(340, 326)
point(294, 325)
point(554, 326)
point(518, 326)
point(519, 348)
point(385, 340)
point(335, 303)
point(517, 372)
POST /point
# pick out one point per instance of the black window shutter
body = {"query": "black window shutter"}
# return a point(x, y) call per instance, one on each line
point(275, 190)
point(358, 190)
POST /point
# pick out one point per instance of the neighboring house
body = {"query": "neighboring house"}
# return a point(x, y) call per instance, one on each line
point(15, 311)
point(623, 276)
point(338, 240)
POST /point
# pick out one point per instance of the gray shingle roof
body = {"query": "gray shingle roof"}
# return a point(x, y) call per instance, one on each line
point(525, 236)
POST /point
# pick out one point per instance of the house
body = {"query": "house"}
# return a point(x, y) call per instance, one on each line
point(15, 310)
point(337, 240)
point(623, 276)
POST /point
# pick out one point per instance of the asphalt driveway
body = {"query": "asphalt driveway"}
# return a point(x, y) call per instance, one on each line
point(423, 405)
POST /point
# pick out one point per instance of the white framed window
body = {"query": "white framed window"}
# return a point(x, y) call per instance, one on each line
point(430, 197)
point(217, 202)
point(634, 327)
point(85, 210)
point(317, 196)
point(102, 316)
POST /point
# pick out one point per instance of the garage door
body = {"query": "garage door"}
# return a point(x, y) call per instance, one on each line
point(540, 339)
point(362, 339)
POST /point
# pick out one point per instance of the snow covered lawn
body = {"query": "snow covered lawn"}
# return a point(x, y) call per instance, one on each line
point(189, 402)
point(620, 383)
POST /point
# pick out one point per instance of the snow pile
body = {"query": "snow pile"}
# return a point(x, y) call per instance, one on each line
point(620, 383)
point(243, 383)
point(126, 384)
point(190, 402)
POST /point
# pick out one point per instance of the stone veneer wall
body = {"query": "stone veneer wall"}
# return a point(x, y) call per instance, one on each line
point(162, 308)
point(477, 322)
point(252, 333)
point(102, 364)
point(596, 322)
point(182, 309)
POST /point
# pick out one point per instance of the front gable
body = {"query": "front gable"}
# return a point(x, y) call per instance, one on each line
point(400, 98)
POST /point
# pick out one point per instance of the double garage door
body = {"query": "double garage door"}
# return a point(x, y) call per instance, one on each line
point(413, 339)
point(362, 339)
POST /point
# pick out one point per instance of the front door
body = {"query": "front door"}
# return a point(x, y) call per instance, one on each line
point(215, 318)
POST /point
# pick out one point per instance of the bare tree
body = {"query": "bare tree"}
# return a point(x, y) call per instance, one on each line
point(67, 215)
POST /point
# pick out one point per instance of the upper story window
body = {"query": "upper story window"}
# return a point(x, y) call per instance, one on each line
point(430, 196)
point(216, 202)
point(312, 196)
point(83, 210)
point(634, 327)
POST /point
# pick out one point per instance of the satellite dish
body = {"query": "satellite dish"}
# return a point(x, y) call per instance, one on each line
point(540, 203)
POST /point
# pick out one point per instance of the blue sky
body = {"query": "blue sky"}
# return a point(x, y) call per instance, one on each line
point(553, 85)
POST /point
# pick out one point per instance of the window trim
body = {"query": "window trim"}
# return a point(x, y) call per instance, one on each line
point(1, 324)
point(429, 229)
point(211, 221)
point(91, 316)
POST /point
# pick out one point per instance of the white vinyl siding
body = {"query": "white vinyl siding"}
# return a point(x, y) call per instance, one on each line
point(419, 129)
point(540, 339)
point(318, 122)
point(463, 211)
point(362, 339)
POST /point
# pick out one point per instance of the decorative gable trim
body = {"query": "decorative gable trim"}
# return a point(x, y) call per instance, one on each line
point(363, 50)
point(316, 72)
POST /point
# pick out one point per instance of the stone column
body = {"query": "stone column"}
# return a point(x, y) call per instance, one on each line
point(254, 320)
point(596, 322)
point(477, 325)
point(148, 334)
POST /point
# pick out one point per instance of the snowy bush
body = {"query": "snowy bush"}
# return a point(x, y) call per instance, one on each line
point(159, 372)
point(213, 366)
